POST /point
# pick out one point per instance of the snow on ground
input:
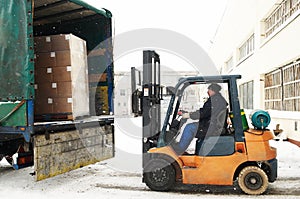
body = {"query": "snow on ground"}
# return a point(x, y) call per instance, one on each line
point(114, 179)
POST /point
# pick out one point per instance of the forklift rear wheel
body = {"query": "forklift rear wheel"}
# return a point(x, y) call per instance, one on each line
point(253, 180)
point(159, 175)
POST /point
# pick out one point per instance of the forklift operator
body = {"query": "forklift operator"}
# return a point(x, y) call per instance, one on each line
point(212, 119)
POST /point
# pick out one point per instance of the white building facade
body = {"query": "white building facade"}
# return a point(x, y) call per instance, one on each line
point(260, 40)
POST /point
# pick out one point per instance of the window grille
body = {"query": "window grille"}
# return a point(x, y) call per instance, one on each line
point(281, 14)
point(273, 90)
point(282, 88)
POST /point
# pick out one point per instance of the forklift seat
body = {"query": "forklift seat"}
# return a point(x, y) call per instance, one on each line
point(215, 146)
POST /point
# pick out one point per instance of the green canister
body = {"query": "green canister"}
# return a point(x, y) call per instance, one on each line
point(244, 119)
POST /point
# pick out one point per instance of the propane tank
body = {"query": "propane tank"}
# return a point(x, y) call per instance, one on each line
point(260, 119)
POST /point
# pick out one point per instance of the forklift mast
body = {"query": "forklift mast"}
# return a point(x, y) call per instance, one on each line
point(151, 95)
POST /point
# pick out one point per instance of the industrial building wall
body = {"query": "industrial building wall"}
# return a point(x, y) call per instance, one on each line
point(254, 39)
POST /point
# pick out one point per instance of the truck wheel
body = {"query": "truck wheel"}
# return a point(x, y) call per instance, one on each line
point(159, 175)
point(253, 180)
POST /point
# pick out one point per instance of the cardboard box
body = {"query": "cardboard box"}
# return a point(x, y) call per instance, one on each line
point(97, 52)
point(99, 98)
point(52, 106)
point(44, 60)
point(45, 90)
point(60, 42)
point(42, 44)
point(43, 106)
point(43, 75)
point(53, 74)
point(62, 105)
point(53, 59)
point(54, 89)
point(97, 77)
point(61, 74)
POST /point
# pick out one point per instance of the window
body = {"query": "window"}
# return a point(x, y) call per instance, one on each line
point(282, 88)
point(247, 48)
point(273, 90)
point(246, 95)
point(291, 85)
point(281, 14)
point(229, 64)
point(122, 92)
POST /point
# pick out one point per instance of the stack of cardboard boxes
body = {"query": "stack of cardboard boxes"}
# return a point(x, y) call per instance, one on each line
point(61, 77)
point(98, 87)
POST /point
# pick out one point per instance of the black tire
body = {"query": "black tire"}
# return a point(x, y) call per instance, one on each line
point(253, 180)
point(159, 175)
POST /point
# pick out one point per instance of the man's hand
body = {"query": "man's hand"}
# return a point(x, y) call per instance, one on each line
point(185, 115)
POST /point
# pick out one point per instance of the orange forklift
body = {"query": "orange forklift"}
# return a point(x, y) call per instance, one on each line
point(241, 155)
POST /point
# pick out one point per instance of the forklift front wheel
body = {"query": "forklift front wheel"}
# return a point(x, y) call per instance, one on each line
point(159, 175)
point(253, 180)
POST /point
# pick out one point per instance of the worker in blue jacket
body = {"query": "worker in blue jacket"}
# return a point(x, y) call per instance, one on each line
point(212, 119)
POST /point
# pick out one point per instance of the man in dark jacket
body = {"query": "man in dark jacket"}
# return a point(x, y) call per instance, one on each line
point(212, 119)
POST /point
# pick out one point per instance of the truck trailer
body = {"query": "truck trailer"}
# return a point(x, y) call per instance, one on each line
point(46, 119)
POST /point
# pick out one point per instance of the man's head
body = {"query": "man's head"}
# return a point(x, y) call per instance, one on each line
point(213, 89)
